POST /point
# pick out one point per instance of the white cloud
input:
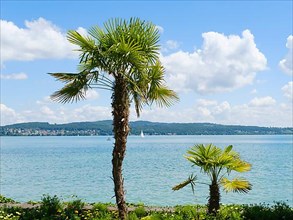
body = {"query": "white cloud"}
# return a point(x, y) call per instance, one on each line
point(286, 64)
point(224, 63)
point(45, 110)
point(262, 102)
point(206, 102)
point(8, 115)
point(160, 29)
point(53, 114)
point(172, 44)
point(82, 31)
point(288, 90)
point(38, 40)
point(204, 110)
point(46, 100)
point(91, 94)
point(14, 76)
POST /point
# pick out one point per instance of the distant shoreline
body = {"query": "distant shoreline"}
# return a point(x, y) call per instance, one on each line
point(157, 135)
point(104, 128)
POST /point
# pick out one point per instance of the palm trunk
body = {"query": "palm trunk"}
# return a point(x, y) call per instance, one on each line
point(120, 106)
point(214, 200)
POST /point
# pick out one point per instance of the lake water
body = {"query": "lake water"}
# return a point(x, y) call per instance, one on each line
point(81, 166)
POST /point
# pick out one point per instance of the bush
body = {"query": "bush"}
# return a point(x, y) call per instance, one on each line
point(50, 207)
point(279, 210)
point(140, 212)
point(73, 209)
point(190, 212)
point(8, 216)
point(4, 199)
point(132, 216)
point(100, 211)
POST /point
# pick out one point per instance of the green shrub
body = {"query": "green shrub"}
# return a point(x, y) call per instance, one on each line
point(140, 212)
point(74, 209)
point(188, 212)
point(233, 212)
point(279, 210)
point(50, 207)
point(8, 216)
point(4, 199)
point(282, 210)
point(132, 216)
point(100, 211)
point(34, 213)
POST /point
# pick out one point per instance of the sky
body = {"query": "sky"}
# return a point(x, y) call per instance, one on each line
point(229, 61)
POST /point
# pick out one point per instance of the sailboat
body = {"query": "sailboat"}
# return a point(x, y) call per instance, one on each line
point(141, 134)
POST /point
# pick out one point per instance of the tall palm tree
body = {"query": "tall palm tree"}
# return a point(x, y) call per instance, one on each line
point(122, 57)
point(217, 163)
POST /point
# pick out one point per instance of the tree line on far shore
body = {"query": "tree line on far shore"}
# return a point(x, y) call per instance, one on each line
point(149, 128)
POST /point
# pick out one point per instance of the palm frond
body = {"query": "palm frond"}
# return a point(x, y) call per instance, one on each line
point(64, 77)
point(191, 180)
point(163, 97)
point(76, 86)
point(69, 93)
point(74, 89)
point(240, 166)
point(85, 43)
point(204, 156)
point(228, 149)
point(157, 92)
point(239, 185)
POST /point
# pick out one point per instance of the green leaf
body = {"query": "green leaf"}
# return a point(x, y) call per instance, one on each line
point(239, 185)
point(191, 180)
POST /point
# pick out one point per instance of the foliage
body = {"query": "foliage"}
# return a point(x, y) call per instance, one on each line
point(50, 206)
point(4, 199)
point(101, 211)
point(217, 164)
point(122, 49)
point(140, 212)
point(73, 208)
point(280, 210)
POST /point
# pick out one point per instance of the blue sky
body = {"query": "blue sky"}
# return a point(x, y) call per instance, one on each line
point(229, 61)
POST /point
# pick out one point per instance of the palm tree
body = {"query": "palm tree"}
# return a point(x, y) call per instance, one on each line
point(122, 57)
point(217, 163)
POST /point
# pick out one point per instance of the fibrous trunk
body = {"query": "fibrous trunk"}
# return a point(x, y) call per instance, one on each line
point(214, 200)
point(120, 106)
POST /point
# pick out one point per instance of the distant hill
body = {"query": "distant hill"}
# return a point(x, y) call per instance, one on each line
point(149, 128)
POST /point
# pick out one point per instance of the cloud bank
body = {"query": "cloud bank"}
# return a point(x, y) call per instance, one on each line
point(260, 111)
point(39, 39)
point(223, 63)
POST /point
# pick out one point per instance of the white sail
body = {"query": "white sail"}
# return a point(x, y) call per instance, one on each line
point(141, 134)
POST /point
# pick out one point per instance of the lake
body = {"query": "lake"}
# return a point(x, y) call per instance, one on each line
point(81, 166)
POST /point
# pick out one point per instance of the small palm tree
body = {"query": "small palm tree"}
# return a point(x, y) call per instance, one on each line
point(217, 163)
point(122, 57)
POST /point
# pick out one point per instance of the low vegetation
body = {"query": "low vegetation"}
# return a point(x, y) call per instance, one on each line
point(53, 208)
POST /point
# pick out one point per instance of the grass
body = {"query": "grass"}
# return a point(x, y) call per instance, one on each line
point(52, 208)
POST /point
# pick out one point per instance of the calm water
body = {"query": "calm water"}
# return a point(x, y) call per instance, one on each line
point(81, 166)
